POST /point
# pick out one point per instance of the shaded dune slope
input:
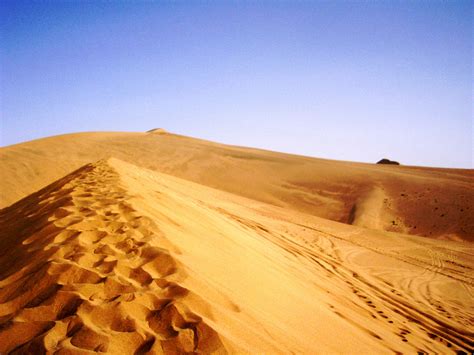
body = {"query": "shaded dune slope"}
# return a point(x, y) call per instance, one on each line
point(421, 201)
point(115, 258)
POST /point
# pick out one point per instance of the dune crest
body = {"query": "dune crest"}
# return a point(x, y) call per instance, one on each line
point(119, 259)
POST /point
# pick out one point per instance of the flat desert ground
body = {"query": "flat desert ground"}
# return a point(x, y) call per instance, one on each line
point(134, 243)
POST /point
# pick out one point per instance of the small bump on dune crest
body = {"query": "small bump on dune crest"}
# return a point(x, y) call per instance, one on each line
point(157, 131)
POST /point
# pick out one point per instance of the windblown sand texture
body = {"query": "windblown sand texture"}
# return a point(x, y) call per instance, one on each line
point(227, 256)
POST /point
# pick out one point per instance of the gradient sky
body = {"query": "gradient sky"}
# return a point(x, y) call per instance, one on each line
point(342, 80)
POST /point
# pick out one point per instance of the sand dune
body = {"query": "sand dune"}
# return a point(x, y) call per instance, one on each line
point(120, 259)
point(429, 202)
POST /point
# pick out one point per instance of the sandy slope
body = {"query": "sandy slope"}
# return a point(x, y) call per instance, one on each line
point(119, 259)
point(423, 201)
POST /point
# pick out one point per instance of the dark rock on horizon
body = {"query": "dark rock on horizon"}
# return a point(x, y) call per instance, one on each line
point(388, 161)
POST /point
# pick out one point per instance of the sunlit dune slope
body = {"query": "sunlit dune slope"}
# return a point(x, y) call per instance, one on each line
point(120, 259)
point(423, 201)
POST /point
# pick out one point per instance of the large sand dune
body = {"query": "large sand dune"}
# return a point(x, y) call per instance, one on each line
point(114, 257)
point(421, 201)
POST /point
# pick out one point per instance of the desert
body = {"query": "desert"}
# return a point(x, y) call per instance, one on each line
point(236, 177)
point(160, 243)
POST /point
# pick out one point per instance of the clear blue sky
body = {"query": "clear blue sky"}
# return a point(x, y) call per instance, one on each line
point(343, 80)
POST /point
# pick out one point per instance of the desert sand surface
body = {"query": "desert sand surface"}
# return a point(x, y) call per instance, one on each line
point(156, 243)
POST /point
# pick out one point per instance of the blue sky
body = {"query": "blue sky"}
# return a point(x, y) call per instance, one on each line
point(342, 80)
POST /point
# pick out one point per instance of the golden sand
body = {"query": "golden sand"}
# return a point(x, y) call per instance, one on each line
point(193, 246)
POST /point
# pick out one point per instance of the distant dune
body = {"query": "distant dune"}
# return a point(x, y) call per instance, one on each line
point(133, 243)
point(420, 201)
